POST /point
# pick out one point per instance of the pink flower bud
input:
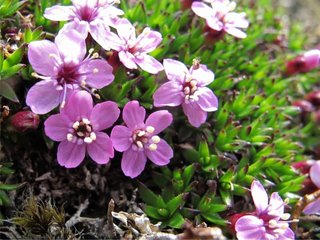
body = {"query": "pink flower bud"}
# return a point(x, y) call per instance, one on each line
point(313, 97)
point(25, 120)
point(304, 63)
point(305, 106)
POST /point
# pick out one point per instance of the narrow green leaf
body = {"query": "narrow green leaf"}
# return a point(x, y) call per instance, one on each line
point(7, 92)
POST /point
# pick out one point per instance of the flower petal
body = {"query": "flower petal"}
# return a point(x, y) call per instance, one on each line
point(196, 116)
point(249, 227)
point(98, 73)
point(237, 20)
point(133, 115)
point(287, 235)
point(160, 120)
point(162, 155)
point(44, 57)
point(149, 64)
point(168, 94)
point(74, 54)
point(312, 208)
point(120, 136)
point(276, 205)
point(207, 100)
point(59, 13)
point(104, 37)
point(104, 115)
point(128, 60)
point(101, 149)
point(175, 69)
point(133, 163)
point(78, 106)
point(315, 173)
point(56, 127)
point(202, 10)
point(215, 23)
point(81, 27)
point(126, 30)
point(43, 97)
point(259, 196)
point(148, 40)
point(203, 75)
point(70, 155)
point(235, 32)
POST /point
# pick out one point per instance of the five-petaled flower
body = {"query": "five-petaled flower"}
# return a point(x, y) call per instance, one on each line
point(187, 88)
point(79, 128)
point(93, 16)
point(63, 67)
point(220, 17)
point(139, 140)
point(133, 50)
point(269, 221)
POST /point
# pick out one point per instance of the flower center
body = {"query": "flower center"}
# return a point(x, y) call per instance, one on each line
point(142, 138)
point(81, 132)
point(87, 14)
point(189, 89)
point(68, 74)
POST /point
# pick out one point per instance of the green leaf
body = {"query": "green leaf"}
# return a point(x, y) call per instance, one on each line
point(176, 221)
point(9, 187)
point(4, 199)
point(7, 92)
point(14, 58)
point(214, 218)
point(152, 212)
point(4, 74)
point(150, 198)
point(175, 202)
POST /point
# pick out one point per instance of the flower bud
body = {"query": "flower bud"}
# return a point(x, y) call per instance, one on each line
point(304, 63)
point(305, 106)
point(25, 120)
point(313, 97)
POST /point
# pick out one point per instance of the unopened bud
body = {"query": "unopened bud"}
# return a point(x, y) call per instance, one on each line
point(25, 120)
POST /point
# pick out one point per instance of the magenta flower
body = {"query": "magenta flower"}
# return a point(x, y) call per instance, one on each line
point(220, 17)
point(314, 207)
point(133, 50)
point(63, 68)
point(139, 140)
point(91, 16)
point(79, 128)
point(187, 88)
point(269, 220)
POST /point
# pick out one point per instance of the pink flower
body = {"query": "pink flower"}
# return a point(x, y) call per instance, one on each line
point(133, 50)
point(269, 220)
point(79, 128)
point(304, 63)
point(219, 16)
point(314, 207)
point(187, 88)
point(63, 68)
point(139, 140)
point(86, 16)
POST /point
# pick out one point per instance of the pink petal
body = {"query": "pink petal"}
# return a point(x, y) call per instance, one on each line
point(149, 64)
point(148, 40)
point(104, 115)
point(259, 196)
point(120, 137)
point(203, 75)
point(168, 94)
point(101, 149)
point(160, 120)
point(249, 227)
point(215, 23)
point(128, 60)
point(44, 57)
point(104, 37)
point(235, 32)
point(312, 59)
point(59, 13)
point(133, 163)
point(196, 116)
point(126, 30)
point(202, 10)
point(43, 97)
point(133, 115)
point(276, 205)
point(70, 155)
point(74, 54)
point(56, 127)
point(207, 100)
point(78, 106)
point(175, 70)
point(162, 155)
point(81, 27)
point(312, 208)
point(287, 235)
point(315, 173)
point(237, 20)
point(98, 73)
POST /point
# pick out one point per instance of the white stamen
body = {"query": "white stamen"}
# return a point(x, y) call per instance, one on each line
point(273, 223)
point(95, 70)
point(95, 55)
point(80, 134)
point(139, 144)
point(155, 139)
point(153, 147)
point(193, 83)
point(75, 125)
point(51, 55)
point(141, 133)
point(193, 89)
point(285, 216)
point(150, 129)
point(83, 83)
point(93, 136)
point(69, 137)
point(85, 121)
point(59, 88)
point(186, 90)
point(88, 140)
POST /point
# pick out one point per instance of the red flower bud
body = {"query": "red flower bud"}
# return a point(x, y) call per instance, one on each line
point(186, 4)
point(25, 120)
point(304, 105)
point(303, 166)
point(313, 97)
